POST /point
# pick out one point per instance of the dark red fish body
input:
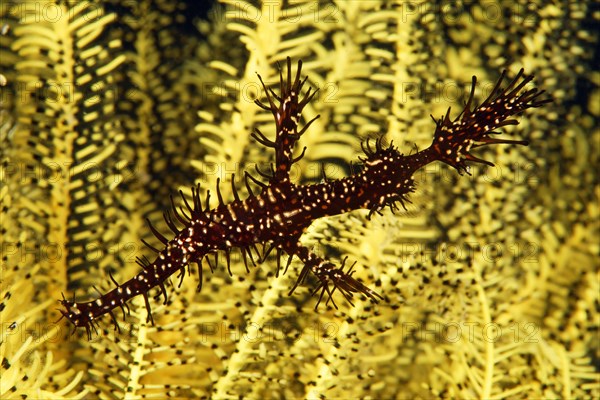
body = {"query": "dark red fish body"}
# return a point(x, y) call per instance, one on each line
point(277, 216)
